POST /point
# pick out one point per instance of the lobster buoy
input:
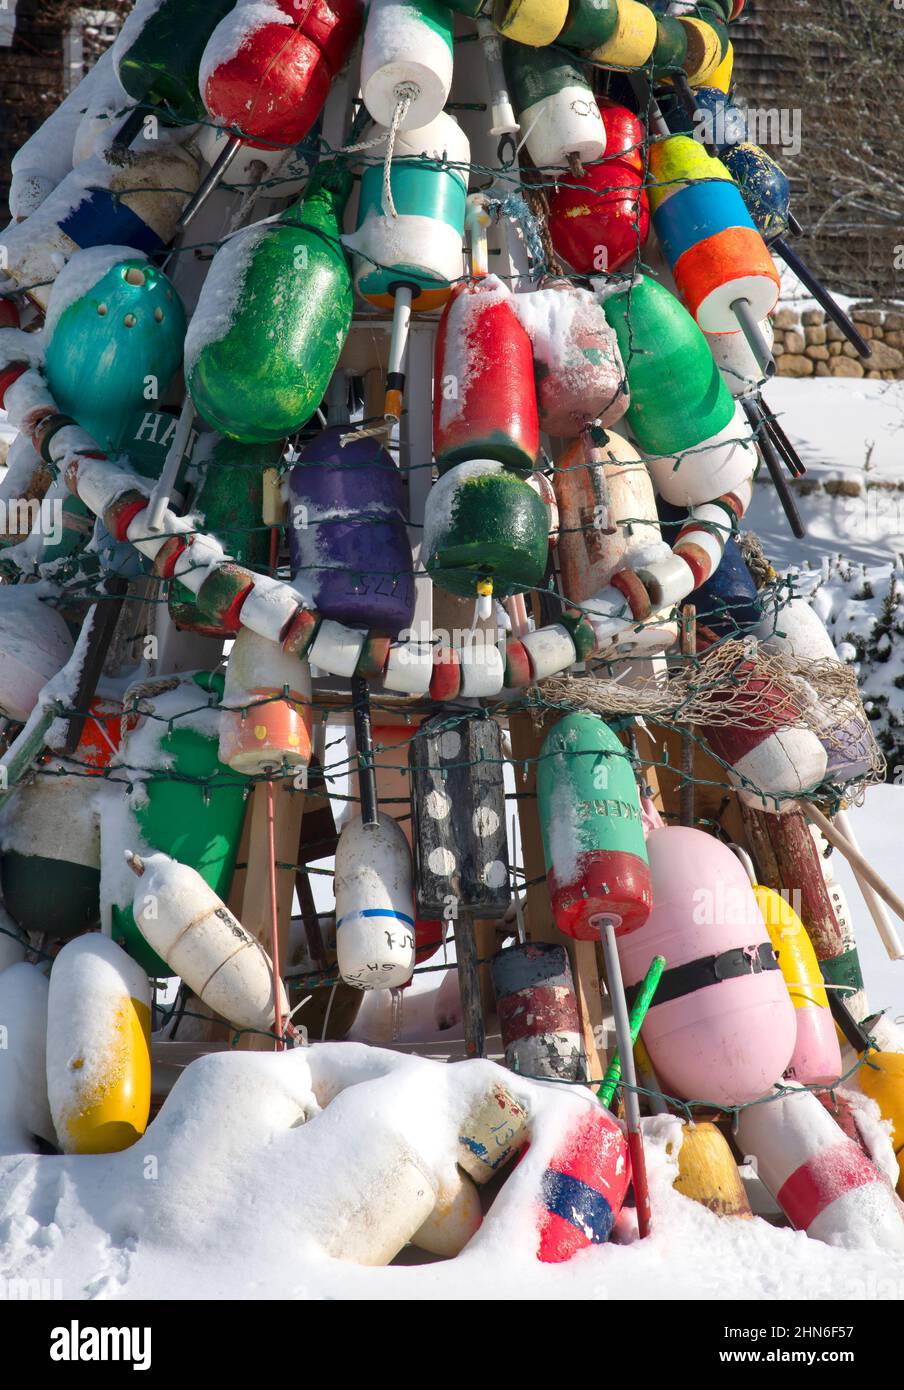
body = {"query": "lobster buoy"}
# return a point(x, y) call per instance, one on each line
point(374, 904)
point(538, 1012)
point(50, 864)
point(195, 933)
point(458, 817)
point(24, 1108)
point(600, 221)
point(816, 1059)
point(484, 401)
point(159, 49)
point(728, 602)
point(707, 1172)
point(491, 1133)
point(485, 531)
point(715, 252)
point(589, 24)
point(272, 317)
point(420, 249)
point(882, 1079)
point(349, 545)
point(680, 412)
point(261, 727)
point(406, 61)
point(189, 806)
point(721, 1027)
point(125, 197)
point(740, 370)
point(764, 187)
point(34, 645)
point(577, 364)
point(823, 1182)
point(555, 106)
point(534, 23)
point(266, 69)
point(98, 1047)
point(454, 1220)
point(114, 322)
point(583, 1188)
point(795, 629)
point(771, 758)
point(596, 859)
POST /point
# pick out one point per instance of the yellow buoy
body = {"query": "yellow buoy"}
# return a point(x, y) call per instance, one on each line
point(532, 22)
point(882, 1078)
point(633, 40)
point(704, 51)
point(721, 78)
point(817, 1058)
point(707, 1172)
point(98, 1047)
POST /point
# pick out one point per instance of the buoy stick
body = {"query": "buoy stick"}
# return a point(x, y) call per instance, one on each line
point(103, 619)
point(750, 327)
point(793, 224)
point(209, 181)
point(874, 906)
point(163, 489)
point(477, 219)
point(855, 859)
point(504, 122)
point(398, 346)
point(638, 1014)
point(771, 459)
point(821, 295)
point(520, 929)
point(367, 777)
point(131, 126)
point(274, 916)
point(854, 1032)
point(796, 466)
point(688, 651)
point(469, 985)
point(632, 1104)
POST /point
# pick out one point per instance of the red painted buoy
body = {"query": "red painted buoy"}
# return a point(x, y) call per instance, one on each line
point(583, 1188)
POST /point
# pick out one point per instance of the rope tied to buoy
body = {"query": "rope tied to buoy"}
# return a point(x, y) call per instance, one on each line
point(405, 93)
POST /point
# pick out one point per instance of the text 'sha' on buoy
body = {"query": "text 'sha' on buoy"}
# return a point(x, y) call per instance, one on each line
point(484, 401)
point(374, 904)
point(823, 1182)
point(261, 727)
point(721, 1027)
point(538, 1012)
point(347, 534)
point(817, 1057)
point(185, 922)
point(98, 1047)
point(113, 321)
point(707, 1172)
point(583, 1188)
point(491, 1133)
point(593, 842)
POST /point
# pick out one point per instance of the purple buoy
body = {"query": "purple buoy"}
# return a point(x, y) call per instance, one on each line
point(347, 534)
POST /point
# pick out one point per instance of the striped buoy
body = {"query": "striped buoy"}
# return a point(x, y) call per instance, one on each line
point(583, 1188)
point(600, 221)
point(555, 106)
point(374, 904)
point(538, 1012)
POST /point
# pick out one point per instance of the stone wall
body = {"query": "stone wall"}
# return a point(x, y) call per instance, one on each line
point(807, 343)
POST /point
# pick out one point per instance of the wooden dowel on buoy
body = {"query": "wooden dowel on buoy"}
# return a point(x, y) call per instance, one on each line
point(874, 906)
point(688, 651)
point(274, 916)
point(856, 860)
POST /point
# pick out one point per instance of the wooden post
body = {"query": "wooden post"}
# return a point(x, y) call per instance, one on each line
point(688, 651)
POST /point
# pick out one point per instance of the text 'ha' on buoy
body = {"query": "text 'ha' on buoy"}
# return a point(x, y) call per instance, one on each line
point(822, 1181)
point(187, 924)
point(98, 1047)
point(596, 858)
point(583, 1188)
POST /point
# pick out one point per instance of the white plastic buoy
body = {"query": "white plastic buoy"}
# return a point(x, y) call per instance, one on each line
point(24, 1108)
point(337, 648)
point(98, 1046)
point(186, 923)
point(550, 650)
point(453, 1221)
point(712, 468)
point(821, 1179)
point(34, 645)
point(405, 54)
point(374, 905)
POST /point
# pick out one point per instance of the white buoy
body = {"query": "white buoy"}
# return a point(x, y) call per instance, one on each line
point(821, 1179)
point(337, 648)
point(186, 923)
point(454, 1220)
point(404, 54)
point(550, 650)
point(374, 905)
point(740, 370)
point(712, 468)
point(24, 1108)
point(34, 645)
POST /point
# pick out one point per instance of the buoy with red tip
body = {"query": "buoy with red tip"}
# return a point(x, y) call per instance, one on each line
point(261, 727)
point(721, 1026)
point(823, 1182)
point(583, 1188)
point(593, 842)
point(375, 939)
point(195, 933)
point(98, 1047)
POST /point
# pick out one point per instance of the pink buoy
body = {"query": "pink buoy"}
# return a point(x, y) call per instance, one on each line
point(721, 1027)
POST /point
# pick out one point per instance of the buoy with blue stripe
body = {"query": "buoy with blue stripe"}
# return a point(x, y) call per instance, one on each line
point(374, 904)
point(583, 1189)
point(722, 267)
point(122, 333)
point(124, 197)
point(408, 243)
